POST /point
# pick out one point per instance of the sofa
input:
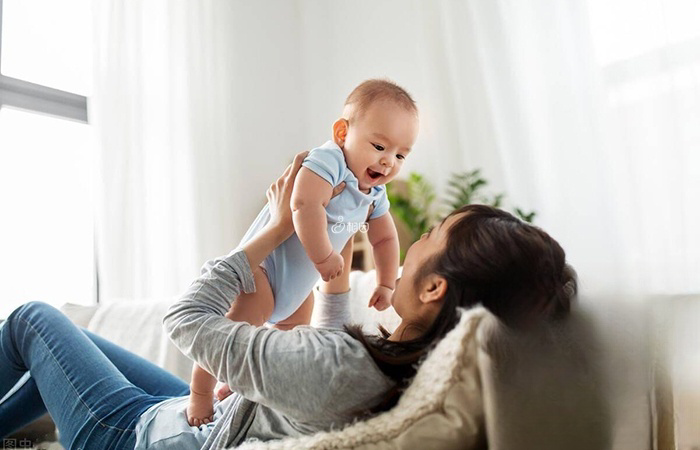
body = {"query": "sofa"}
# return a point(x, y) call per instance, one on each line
point(573, 385)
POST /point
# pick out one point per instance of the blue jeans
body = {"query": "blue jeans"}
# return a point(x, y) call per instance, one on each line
point(94, 390)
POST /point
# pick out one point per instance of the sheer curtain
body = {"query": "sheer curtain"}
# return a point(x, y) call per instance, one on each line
point(186, 120)
point(589, 112)
point(199, 105)
point(525, 100)
point(142, 112)
point(650, 72)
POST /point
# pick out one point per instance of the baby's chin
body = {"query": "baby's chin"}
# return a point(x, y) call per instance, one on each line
point(380, 182)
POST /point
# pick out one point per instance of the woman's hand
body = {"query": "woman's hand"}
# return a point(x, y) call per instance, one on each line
point(280, 226)
point(222, 391)
point(279, 194)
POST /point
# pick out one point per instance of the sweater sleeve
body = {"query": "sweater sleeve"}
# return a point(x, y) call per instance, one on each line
point(304, 373)
point(332, 310)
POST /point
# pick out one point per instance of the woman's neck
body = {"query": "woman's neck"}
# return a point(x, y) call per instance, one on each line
point(407, 331)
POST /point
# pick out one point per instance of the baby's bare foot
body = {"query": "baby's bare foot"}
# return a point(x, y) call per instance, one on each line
point(200, 409)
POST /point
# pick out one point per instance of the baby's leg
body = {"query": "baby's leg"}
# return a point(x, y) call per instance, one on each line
point(253, 308)
point(257, 307)
point(302, 316)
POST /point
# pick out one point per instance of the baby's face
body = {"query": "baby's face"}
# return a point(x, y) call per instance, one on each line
point(378, 142)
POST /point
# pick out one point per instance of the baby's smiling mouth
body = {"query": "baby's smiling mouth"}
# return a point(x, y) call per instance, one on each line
point(372, 174)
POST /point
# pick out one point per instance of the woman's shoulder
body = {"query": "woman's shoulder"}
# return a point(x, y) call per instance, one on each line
point(342, 352)
point(353, 378)
point(314, 372)
point(329, 339)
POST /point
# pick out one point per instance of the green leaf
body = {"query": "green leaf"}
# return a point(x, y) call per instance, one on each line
point(497, 200)
point(526, 217)
point(417, 208)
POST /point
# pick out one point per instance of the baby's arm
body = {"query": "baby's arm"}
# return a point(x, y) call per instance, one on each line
point(310, 197)
point(384, 240)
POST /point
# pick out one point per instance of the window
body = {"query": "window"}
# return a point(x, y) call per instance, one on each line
point(48, 43)
point(46, 154)
point(646, 49)
point(648, 54)
point(627, 29)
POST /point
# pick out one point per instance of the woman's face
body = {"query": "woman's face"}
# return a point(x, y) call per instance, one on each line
point(406, 299)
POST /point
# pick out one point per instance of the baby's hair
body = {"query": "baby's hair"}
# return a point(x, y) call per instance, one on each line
point(374, 90)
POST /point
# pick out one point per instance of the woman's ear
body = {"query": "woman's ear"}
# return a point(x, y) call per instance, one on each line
point(340, 131)
point(434, 288)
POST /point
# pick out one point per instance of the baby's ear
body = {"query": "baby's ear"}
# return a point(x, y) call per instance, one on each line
point(340, 131)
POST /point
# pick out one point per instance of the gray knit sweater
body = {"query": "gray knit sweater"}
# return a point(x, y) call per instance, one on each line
point(288, 383)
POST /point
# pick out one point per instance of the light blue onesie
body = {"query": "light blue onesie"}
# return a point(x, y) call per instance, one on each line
point(290, 272)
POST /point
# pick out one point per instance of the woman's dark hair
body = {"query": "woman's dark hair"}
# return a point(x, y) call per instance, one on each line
point(491, 258)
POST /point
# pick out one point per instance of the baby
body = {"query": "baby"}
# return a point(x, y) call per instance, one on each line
point(339, 189)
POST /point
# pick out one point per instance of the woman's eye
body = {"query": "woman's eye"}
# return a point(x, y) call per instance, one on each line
point(378, 147)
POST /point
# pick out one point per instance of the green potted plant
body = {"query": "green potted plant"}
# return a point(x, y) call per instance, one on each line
point(413, 202)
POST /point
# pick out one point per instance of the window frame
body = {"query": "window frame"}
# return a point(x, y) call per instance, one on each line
point(36, 98)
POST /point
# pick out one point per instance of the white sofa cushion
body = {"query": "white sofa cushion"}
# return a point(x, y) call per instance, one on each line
point(137, 326)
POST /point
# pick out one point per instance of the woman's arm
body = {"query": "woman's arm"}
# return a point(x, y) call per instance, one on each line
point(305, 373)
point(210, 296)
point(280, 226)
point(308, 374)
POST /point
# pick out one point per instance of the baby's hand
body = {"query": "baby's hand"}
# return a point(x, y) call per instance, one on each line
point(381, 298)
point(330, 267)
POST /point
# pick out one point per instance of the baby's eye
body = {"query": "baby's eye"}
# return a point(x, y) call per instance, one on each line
point(378, 147)
point(400, 156)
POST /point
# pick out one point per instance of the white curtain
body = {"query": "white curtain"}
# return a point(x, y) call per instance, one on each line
point(188, 114)
point(523, 89)
point(199, 105)
point(142, 111)
point(651, 111)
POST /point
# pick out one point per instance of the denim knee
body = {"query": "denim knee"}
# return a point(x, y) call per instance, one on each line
point(32, 309)
point(25, 316)
point(29, 313)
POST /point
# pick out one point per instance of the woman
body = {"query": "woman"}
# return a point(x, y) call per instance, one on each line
point(287, 382)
